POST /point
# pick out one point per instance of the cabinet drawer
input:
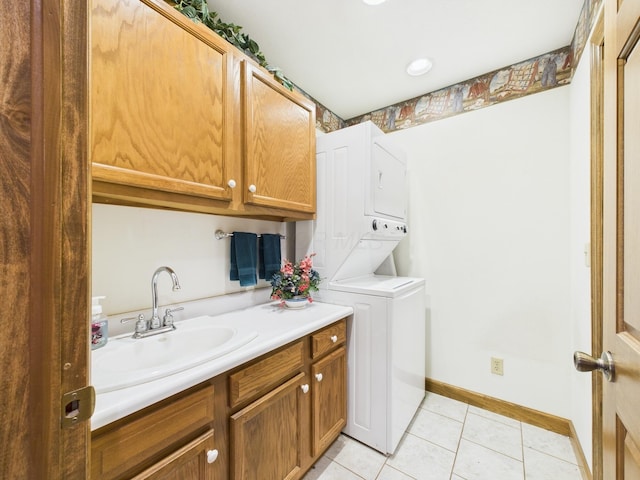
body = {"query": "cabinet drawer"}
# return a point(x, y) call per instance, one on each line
point(189, 462)
point(151, 435)
point(328, 338)
point(253, 379)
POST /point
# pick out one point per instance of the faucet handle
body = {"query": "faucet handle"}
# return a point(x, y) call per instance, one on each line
point(141, 323)
point(167, 320)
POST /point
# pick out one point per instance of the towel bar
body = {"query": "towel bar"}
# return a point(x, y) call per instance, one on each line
point(220, 235)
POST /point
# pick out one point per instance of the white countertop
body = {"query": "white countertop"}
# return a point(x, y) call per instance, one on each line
point(276, 326)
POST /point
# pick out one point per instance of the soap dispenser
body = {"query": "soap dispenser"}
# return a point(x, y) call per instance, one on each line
point(99, 325)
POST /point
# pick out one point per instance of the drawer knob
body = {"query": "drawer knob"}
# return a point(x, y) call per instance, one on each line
point(305, 388)
point(334, 338)
point(252, 188)
point(231, 183)
point(319, 377)
point(212, 455)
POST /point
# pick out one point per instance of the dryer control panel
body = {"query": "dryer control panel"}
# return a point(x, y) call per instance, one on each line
point(383, 227)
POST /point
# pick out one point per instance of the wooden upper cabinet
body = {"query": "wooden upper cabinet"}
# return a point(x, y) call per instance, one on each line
point(181, 119)
point(161, 98)
point(279, 144)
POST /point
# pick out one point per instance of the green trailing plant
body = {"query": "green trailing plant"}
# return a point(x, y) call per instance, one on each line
point(198, 11)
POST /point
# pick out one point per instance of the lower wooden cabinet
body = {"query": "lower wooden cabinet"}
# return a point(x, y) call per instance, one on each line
point(329, 399)
point(148, 438)
point(274, 417)
point(287, 428)
point(266, 436)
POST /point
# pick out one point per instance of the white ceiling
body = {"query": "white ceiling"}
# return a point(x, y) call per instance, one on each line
point(352, 57)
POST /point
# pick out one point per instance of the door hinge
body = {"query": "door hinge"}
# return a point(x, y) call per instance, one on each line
point(77, 406)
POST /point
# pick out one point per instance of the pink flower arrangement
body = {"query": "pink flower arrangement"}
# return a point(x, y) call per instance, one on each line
point(295, 280)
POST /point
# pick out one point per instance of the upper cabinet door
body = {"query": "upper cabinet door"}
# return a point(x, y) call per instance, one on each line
point(279, 144)
point(160, 101)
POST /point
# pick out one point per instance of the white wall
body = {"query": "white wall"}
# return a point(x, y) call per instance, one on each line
point(579, 121)
point(130, 243)
point(490, 232)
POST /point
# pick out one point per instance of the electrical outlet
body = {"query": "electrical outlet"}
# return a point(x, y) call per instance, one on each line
point(497, 366)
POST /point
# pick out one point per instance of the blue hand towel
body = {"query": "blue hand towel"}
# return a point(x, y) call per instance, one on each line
point(244, 258)
point(270, 255)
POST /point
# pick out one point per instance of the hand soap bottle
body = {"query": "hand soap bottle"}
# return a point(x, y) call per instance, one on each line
point(99, 325)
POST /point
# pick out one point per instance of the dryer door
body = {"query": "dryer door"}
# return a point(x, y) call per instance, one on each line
point(388, 181)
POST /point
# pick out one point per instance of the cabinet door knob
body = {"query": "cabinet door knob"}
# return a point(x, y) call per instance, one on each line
point(212, 456)
point(334, 338)
point(305, 388)
point(319, 377)
point(252, 188)
point(231, 183)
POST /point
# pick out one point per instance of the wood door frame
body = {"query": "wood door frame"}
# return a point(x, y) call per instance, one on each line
point(57, 295)
point(597, 165)
point(74, 231)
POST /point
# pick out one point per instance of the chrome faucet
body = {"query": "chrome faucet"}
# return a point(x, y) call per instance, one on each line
point(155, 321)
point(153, 326)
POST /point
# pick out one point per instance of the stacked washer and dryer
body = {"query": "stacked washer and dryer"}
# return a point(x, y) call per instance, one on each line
point(361, 218)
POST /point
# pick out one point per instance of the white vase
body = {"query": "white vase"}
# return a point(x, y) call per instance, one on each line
point(296, 302)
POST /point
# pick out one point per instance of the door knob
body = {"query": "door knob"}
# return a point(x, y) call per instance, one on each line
point(586, 363)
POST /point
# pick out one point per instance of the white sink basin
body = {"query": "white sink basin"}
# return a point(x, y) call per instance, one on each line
point(125, 361)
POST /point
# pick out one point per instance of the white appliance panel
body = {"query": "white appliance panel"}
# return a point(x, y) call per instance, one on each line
point(367, 380)
point(388, 181)
point(386, 360)
point(365, 258)
point(361, 179)
point(339, 175)
point(379, 285)
point(361, 215)
point(407, 363)
point(318, 242)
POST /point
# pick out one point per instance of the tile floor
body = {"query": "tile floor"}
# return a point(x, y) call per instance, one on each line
point(450, 440)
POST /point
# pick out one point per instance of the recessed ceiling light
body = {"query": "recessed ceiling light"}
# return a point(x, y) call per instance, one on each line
point(419, 66)
point(373, 2)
